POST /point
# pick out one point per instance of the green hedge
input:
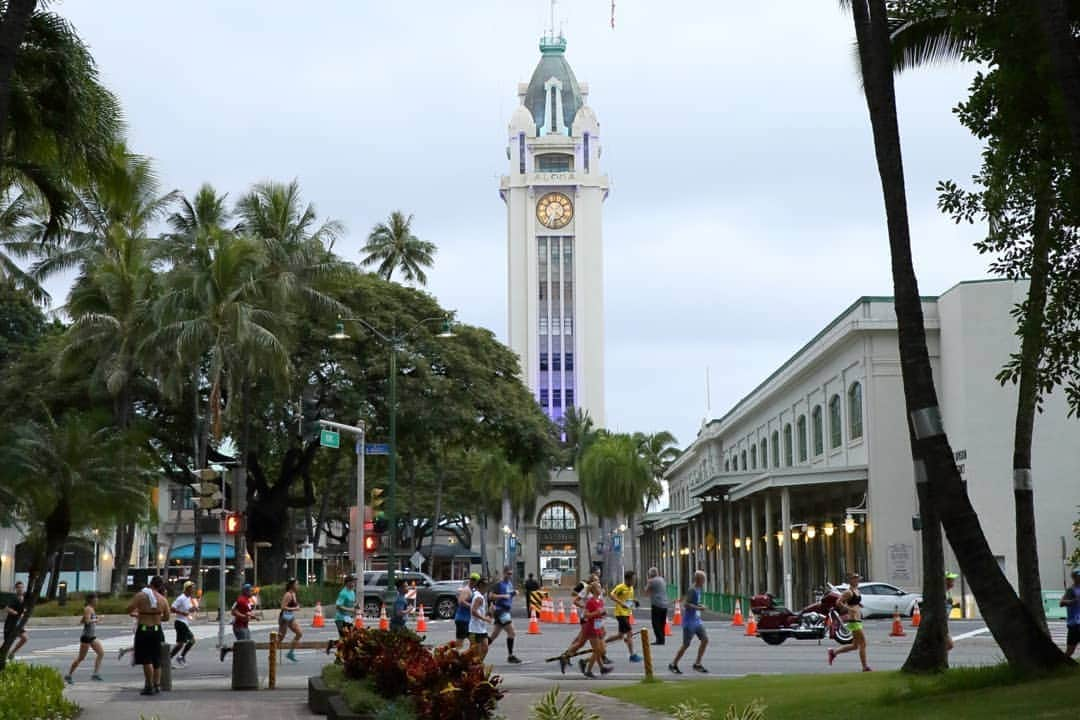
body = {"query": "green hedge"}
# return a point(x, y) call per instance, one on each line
point(33, 691)
point(306, 595)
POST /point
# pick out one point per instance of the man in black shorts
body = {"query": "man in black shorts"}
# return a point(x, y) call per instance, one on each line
point(463, 614)
point(12, 614)
point(151, 610)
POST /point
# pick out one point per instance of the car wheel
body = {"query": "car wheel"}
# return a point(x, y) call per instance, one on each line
point(445, 607)
point(371, 607)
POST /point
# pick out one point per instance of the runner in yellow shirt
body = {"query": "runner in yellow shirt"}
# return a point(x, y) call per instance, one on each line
point(623, 595)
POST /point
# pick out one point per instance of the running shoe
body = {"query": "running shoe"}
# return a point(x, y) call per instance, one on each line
point(68, 679)
point(329, 646)
point(291, 656)
point(147, 691)
point(605, 669)
point(635, 658)
point(120, 655)
point(513, 660)
point(581, 664)
point(97, 678)
point(674, 668)
point(588, 674)
point(563, 662)
point(700, 668)
point(224, 650)
point(605, 660)
point(182, 660)
point(866, 669)
point(832, 656)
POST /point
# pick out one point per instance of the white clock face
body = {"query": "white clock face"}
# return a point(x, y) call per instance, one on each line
point(554, 210)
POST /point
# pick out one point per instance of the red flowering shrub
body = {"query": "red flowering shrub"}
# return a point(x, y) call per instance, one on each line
point(443, 684)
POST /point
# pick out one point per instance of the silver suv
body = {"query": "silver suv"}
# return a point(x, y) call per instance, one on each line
point(439, 597)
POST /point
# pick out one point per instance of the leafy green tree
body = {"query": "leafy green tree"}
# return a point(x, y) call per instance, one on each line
point(20, 228)
point(658, 451)
point(393, 246)
point(942, 494)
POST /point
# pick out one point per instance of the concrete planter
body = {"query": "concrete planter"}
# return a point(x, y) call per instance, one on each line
point(318, 696)
point(338, 710)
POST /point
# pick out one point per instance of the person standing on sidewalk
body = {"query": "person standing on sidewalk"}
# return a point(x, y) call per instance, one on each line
point(656, 590)
point(151, 610)
point(851, 601)
point(88, 640)
point(12, 614)
point(1071, 602)
point(287, 619)
point(502, 597)
point(623, 595)
point(692, 625)
point(184, 608)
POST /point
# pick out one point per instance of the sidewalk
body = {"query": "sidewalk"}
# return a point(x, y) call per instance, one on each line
point(111, 702)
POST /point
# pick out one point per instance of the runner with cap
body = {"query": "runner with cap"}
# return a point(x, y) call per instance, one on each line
point(502, 597)
point(184, 608)
point(851, 603)
point(345, 609)
point(243, 612)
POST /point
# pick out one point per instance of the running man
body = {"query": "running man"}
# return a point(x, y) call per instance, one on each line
point(344, 609)
point(656, 589)
point(692, 625)
point(502, 596)
point(1071, 602)
point(464, 610)
point(88, 640)
point(151, 609)
point(478, 620)
point(287, 619)
point(623, 595)
point(851, 602)
point(12, 614)
point(243, 612)
point(183, 608)
point(401, 606)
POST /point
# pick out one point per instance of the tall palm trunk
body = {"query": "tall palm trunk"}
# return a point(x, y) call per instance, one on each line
point(1010, 621)
point(1031, 351)
point(12, 30)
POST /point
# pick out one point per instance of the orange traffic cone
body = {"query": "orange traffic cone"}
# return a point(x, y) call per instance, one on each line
point(534, 624)
point(737, 621)
point(631, 618)
point(561, 617)
point(549, 611)
point(318, 621)
point(751, 626)
point(384, 622)
point(574, 619)
point(667, 628)
point(677, 620)
point(421, 620)
point(916, 616)
point(358, 623)
point(897, 626)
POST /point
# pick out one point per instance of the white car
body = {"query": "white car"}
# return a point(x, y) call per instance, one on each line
point(551, 574)
point(882, 599)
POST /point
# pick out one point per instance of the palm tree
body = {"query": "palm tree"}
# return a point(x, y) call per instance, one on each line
point(939, 487)
point(658, 451)
point(20, 232)
point(394, 247)
point(16, 18)
point(578, 434)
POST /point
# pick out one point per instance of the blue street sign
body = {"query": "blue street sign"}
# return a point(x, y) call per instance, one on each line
point(377, 449)
point(616, 544)
point(513, 546)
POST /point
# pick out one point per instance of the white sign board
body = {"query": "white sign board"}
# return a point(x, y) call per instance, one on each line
point(900, 559)
point(417, 559)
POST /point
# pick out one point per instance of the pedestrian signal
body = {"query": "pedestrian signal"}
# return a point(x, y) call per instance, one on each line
point(233, 523)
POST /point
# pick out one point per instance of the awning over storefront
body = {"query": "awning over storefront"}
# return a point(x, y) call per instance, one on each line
point(823, 476)
point(210, 551)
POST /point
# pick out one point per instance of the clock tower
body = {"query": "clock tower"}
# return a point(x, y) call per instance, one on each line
point(554, 192)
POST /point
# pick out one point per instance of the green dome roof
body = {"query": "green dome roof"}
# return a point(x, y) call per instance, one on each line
point(553, 64)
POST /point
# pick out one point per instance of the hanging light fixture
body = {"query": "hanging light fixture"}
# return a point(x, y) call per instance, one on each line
point(738, 543)
point(829, 529)
point(780, 538)
point(746, 543)
point(795, 533)
point(849, 524)
point(811, 532)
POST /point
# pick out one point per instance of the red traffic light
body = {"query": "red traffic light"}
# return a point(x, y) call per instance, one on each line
point(371, 543)
point(233, 523)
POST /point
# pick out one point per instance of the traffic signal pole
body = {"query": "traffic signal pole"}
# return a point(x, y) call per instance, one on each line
point(221, 570)
point(358, 431)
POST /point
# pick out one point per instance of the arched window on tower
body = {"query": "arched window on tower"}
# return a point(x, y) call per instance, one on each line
point(558, 516)
point(586, 153)
point(521, 153)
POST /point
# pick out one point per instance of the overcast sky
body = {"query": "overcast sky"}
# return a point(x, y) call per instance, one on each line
point(745, 210)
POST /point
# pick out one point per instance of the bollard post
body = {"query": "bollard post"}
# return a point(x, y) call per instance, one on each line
point(166, 667)
point(245, 669)
point(646, 653)
point(271, 680)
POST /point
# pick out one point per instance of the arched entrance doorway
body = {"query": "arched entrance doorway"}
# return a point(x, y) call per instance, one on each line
point(557, 541)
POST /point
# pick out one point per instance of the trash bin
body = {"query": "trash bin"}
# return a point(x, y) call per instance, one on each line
point(61, 597)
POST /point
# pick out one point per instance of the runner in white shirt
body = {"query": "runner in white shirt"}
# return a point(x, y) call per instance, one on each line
point(478, 620)
point(184, 606)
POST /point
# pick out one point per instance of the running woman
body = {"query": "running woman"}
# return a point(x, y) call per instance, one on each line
point(464, 610)
point(581, 594)
point(478, 620)
point(594, 631)
point(151, 609)
point(502, 596)
point(692, 625)
point(12, 614)
point(88, 640)
point(287, 619)
point(851, 602)
point(623, 595)
point(183, 607)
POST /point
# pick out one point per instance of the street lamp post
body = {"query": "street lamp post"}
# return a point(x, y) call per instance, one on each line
point(396, 341)
point(259, 544)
